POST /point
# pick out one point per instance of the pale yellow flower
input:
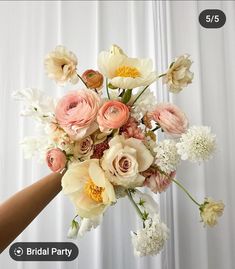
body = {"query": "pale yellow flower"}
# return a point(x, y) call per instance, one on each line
point(125, 72)
point(60, 65)
point(88, 188)
point(210, 211)
point(178, 75)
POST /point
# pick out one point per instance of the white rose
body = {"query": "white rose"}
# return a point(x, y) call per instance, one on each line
point(83, 148)
point(124, 161)
point(178, 75)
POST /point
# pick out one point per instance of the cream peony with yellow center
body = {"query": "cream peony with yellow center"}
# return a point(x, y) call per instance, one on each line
point(125, 72)
point(88, 188)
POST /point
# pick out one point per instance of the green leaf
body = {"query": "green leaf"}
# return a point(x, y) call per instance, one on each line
point(127, 96)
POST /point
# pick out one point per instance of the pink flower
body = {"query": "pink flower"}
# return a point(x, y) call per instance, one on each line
point(157, 181)
point(112, 115)
point(76, 113)
point(131, 129)
point(171, 119)
point(56, 160)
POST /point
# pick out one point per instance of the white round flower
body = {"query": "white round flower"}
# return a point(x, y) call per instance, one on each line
point(124, 161)
point(197, 145)
point(151, 239)
point(167, 158)
point(125, 72)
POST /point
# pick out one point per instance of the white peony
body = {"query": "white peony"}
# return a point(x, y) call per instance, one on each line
point(125, 72)
point(36, 104)
point(197, 145)
point(124, 161)
point(151, 239)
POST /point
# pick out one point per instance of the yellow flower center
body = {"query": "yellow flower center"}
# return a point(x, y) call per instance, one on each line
point(127, 71)
point(93, 191)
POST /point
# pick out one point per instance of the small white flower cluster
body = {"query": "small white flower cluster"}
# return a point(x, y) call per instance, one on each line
point(151, 239)
point(144, 104)
point(167, 158)
point(37, 104)
point(197, 145)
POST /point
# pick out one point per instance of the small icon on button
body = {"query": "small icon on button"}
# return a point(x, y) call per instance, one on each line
point(18, 251)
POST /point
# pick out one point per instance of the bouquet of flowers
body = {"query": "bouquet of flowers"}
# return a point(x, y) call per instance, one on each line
point(107, 147)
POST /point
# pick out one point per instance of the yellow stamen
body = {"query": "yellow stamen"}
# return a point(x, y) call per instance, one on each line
point(93, 191)
point(127, 71)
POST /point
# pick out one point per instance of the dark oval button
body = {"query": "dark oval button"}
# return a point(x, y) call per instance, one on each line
point(212, 18)
point(43, 251)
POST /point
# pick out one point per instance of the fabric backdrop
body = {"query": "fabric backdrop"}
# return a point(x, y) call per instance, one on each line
point(157, 29)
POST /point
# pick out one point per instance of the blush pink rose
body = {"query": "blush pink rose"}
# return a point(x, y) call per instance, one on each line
point(56, 160)
point(171, 119)
point(156, 181)
point(76, 113)
point(112, 115)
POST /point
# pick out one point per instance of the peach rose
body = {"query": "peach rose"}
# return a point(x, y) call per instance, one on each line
point(76, 113)
point(171, 119)
point(93, 79)
point(112, 115)
point(156, 181)
point(56, 160)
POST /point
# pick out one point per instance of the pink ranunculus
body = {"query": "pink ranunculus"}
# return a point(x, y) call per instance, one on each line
point(112, 115)
point(157, 181)
point(131, 129)
point(76, 113)
point(56, 159)
point(171, 119)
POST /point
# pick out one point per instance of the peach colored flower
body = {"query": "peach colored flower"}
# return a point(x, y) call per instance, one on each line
point(171, 119)
point(56, 159)
point(112, 115)
point(131, 129)
point(76, 113)
point(157, 181)
point(93, 79)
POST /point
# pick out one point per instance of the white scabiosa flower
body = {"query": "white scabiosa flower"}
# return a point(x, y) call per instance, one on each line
point(167, 158)
point(146, 102)
point(151, 239)
point(197, 145)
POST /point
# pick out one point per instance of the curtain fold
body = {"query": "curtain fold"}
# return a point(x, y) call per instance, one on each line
point(160, 30)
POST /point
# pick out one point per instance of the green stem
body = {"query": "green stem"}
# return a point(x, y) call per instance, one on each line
point(140, 94)
point(107, 88)
point(135, 205)
point(82, 80)
point(183, 188)
point(156, 128)
point(162, 75)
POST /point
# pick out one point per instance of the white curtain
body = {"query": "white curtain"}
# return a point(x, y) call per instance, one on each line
point(157, 29)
